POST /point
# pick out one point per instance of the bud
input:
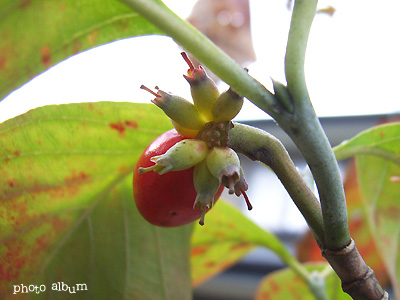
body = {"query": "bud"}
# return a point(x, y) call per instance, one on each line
point(206, 186)
point(203, 88)
point(224, 164)
point(227, 106)
point(178, 109)
point(183, 155)
point(282, 94)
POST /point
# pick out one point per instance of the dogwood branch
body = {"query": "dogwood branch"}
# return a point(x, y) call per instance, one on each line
point(262, 146)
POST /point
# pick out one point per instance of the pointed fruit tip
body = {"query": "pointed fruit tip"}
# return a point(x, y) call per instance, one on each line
point(203, 214)
point(188, 61)
point(142, 170)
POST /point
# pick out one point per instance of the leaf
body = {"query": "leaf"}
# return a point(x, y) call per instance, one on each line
point(67, 212)
point(383, 141)
point(379, 181)
point(285, 284)
point(308, 250)
point(378, 168)
point(225, 238)
point(35, 35)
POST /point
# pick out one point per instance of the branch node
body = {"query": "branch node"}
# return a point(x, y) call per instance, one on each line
point(358, 280)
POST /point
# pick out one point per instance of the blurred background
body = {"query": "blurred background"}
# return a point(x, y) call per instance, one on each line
point(351, 69)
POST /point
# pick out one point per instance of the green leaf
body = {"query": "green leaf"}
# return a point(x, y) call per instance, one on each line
point(378, 168)
point(383, 141)
point(285, 284)
point(226, 237)
point(67, 212)
point(37, 34)
point(380, 188)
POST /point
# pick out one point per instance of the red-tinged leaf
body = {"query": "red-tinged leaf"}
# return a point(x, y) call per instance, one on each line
point(208, 261)
point(67, 212)
point(308, 251)
point(285, 284)
point(378, 168)
point(37, 34)
point(227, 237)
point(380, 191)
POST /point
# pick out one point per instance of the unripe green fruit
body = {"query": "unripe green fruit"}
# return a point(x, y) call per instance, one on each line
point(206, 186)
point(227, 106)
point(178, 109)
point(183, 155)
point(224, 164)
point(203, 88)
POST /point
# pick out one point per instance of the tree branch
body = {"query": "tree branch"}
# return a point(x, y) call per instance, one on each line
point(262, 146)
point(305, 130)
point(358, 280)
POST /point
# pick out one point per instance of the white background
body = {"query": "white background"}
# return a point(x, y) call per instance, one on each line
point(351, 68)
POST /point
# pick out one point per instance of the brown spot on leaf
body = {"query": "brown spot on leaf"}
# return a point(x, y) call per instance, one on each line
point(2, 62)
point(198, 250)
point(119, 126)
point(274, 286)
point(46, 56)
point(76, 47)
point(209, 264)
point(220, 235)
point(240, 246)
point(76, 177)
point(11, 183)
point(131, 124)
point(17, 153)
point(24, 3)
point(92, 36)
point(12, 261)
point(95, 109)
point(381, 134)
point(42, 242)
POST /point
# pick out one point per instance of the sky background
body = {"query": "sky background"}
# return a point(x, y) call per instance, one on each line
point(351, 66)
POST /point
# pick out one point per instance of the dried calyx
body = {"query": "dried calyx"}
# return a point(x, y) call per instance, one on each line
point(206, 122)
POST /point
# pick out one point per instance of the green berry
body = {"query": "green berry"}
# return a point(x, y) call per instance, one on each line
point(206, 186)
point(178, 109)
point(181, 156)
point(227, 106)
point(203, 88)
point(224, 164)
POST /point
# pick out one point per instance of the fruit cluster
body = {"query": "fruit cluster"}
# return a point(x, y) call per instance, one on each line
point(199, 147)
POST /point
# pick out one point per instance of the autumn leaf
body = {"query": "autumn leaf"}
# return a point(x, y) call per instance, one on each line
point(67, 212)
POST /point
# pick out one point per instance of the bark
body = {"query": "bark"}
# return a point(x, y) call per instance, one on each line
point(358, 280)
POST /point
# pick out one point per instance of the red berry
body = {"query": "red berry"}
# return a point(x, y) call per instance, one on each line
point(165, 200)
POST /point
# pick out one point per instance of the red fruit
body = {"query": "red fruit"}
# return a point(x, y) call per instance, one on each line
point(165, 200)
